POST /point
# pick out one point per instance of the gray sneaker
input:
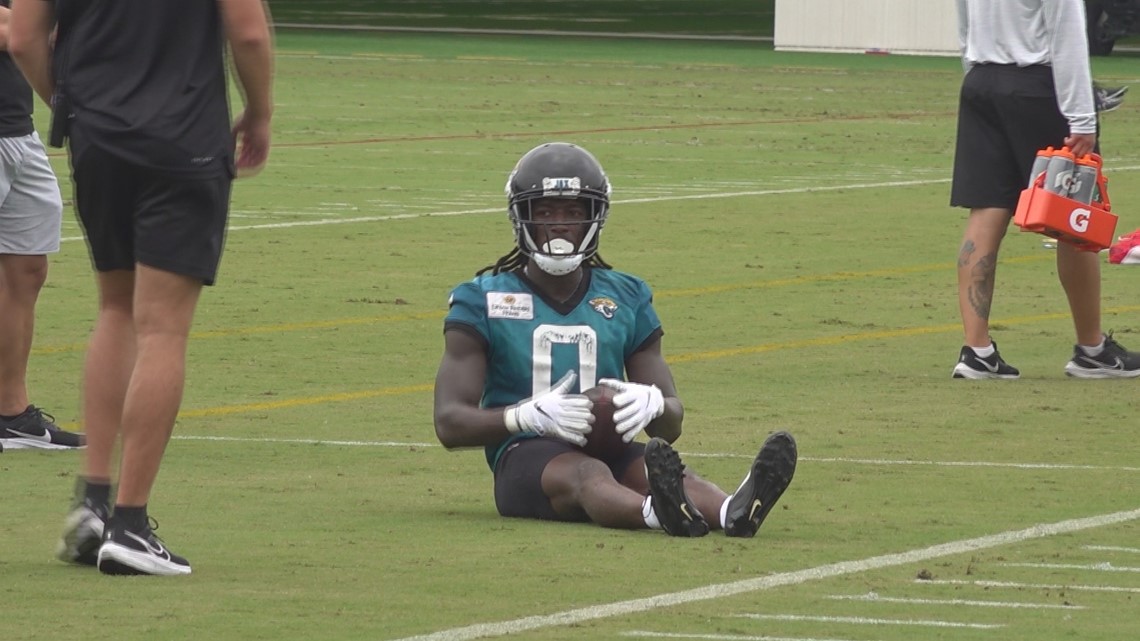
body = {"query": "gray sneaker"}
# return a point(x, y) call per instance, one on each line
point(82, 534)
point(1107, 99)
point(1113, 362)
point(36, 429)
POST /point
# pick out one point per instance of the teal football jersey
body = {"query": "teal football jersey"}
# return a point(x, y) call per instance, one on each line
point(532, 341)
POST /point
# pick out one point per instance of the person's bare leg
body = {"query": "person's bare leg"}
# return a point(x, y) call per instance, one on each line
point(1079, 273)
point(107, 371)
point(977, 269)
point(578, 484)
point(21, 278)
point(163, 312)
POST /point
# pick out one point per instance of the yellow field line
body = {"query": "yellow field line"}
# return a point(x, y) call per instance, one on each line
point(310, 400)
point(228, 410)
point(668, 293)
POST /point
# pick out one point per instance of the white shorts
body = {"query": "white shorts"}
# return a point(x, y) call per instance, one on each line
point(31, 208)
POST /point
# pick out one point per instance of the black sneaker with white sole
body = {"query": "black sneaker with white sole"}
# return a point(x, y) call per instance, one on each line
point(82, 533)
point(666, 476)
point(1113, 362)
point(36, 429)
point(130, 552)
point(770, 475)
point(1107, 99)
point(970, 365)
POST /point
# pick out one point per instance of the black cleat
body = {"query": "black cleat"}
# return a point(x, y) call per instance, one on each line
point(771, 473)
point(666, 476)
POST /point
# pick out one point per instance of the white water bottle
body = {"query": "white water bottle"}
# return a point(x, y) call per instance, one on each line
point(1085, 173)
point(1059, 172)
point(1040, 164)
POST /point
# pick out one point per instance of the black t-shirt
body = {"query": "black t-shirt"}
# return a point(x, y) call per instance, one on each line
point(146, 81)
point(15, 97)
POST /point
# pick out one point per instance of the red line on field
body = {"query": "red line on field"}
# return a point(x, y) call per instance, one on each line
point(599, 130)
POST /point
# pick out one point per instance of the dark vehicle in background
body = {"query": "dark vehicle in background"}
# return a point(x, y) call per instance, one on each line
point(1110, 20)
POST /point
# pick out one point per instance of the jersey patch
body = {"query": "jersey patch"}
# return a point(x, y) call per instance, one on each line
point(510, 305)
point(604, 306)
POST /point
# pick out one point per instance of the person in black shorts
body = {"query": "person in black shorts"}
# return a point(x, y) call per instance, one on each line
point(1028, 86)
point(30, 214)
point(553, 309)
point(141, 88)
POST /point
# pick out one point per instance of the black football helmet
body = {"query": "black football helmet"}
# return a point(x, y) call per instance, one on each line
point(558, 170)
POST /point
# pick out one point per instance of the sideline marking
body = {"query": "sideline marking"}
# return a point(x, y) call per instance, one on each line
point(831, 570)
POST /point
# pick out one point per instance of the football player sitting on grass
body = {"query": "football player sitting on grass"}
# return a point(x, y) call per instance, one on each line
point(545, 323)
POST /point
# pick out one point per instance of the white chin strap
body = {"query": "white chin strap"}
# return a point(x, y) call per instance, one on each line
point(557, 259)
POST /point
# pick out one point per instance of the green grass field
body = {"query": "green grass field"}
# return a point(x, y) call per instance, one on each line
point(790, 211)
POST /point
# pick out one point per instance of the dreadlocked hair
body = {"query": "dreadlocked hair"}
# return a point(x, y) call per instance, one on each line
point(517, 260)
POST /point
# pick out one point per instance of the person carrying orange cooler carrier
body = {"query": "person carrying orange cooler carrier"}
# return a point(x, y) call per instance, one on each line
point(1027, 88)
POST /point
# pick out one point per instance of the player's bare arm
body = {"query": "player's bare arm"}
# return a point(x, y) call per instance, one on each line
point(459, 421)
point(29, 43)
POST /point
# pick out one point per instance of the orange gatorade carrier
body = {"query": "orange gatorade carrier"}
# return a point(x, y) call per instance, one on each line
point(1050, 205)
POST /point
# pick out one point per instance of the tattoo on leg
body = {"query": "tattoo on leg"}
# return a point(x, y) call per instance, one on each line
point(981, 289)
point(965, 253)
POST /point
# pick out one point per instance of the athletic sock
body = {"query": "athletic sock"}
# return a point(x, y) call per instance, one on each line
point(131, 517)
point(97, 492)
point(984, 352)
point(649, 515)
point(1094, 350)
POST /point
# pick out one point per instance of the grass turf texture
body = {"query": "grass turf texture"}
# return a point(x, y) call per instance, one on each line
point(790, 213)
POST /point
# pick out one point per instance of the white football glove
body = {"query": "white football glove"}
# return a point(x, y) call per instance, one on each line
point(636, 405)
point(553, 413)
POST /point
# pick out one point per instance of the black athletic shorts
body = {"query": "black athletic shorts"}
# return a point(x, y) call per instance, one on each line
point(518, 476)
point(1006, 114)
point(132, 214)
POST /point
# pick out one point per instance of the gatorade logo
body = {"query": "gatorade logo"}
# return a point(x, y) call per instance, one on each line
point(1063, 182)
point(1079, 220)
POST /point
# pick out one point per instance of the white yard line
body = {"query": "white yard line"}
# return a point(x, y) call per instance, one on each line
point(1014, 585)
point(670, 198)
point(1095, 567)
point(650, 634)
point(806, 459)
point(1110, 548)
point(877, 598)
point(722, 590)
point(926, 623)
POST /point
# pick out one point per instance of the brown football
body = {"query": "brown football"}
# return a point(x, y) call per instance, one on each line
point(603, 442)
